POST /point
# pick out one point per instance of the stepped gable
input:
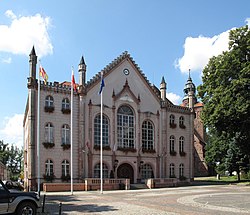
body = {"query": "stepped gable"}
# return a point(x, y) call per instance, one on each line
point(117, 61)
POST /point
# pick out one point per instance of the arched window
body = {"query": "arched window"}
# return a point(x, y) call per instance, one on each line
point(171, 119)
point(181, 170)
point(147, 135)
point(49, 169)
point(171, 171)
point(65, 135)
point(147, 171)
point(181, 144)
point(65, 168)
point(65, 104)
point(97, 130)
point(171, 144)
point(49, 133)
point(97, 171)
point(49, 101)
point(181, 122)
point(125, 127)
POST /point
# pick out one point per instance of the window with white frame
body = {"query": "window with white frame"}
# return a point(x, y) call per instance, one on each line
point(65, 134)
point(171, 171)
point(97, 171)
point(181, 120)
point(97, 130)
point(181, 144)
point(147, 135)
point(49, 101)
point(49, 168)
point(65, 168)
point(171, 143)
point(49, 133)
point(147, 171)
point(171, 119)
point(65, 104)
point(181, 170)
point(125, 127)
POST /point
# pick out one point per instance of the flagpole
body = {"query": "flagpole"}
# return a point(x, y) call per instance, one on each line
point(38, 134)
point(101, 167)
point(71, 134)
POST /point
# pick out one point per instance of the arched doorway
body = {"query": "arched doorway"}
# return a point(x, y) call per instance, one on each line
point(126, 171)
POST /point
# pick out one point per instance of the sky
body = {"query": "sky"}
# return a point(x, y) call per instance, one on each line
point(164, 37)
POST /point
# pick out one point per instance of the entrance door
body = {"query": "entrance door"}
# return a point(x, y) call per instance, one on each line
point(126, 171)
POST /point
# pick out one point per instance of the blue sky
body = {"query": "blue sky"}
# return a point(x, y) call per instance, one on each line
point(165, 38)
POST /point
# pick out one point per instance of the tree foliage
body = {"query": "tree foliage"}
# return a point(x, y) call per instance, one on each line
point(12, 158)
point(225, 93)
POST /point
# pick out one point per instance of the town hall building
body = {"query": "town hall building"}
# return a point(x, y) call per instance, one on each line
point(144, 134)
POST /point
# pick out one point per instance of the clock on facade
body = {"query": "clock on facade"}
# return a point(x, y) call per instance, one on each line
point(126, 71)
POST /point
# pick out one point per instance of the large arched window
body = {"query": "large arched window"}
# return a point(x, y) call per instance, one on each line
point(171, 171)
point(65, 135)
point(147, 171)
point(171, 144)
point(97, 171)
point(65, 168)
point(97, 130)
point(49, 133)
point(125, 127)
point(49, 169)
point(147, 135)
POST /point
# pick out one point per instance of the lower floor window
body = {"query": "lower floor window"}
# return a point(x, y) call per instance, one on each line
point(147, 171)
point(97, 171)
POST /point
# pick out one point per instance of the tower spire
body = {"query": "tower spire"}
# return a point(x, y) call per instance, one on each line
point(82, 72)
point(163, 87)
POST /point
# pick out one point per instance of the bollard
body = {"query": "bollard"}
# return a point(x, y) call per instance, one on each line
point(60, 208)
point(43, 203)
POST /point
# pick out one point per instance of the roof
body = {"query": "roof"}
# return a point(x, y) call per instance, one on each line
point(199, 104)
point(106, 70)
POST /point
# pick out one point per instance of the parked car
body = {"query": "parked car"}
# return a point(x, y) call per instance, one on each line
point(18, 202)
point(13, 185)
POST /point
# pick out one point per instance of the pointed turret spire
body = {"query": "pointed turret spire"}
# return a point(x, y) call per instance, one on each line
point(33, 62)
point(82, 72)
point(163, 87)
point(33, 52)
point(163, 80)
point(189, 92)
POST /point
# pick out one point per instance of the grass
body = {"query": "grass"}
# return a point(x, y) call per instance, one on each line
point(223, 179)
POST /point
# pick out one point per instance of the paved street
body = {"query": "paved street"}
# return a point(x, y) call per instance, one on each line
point(210, 199)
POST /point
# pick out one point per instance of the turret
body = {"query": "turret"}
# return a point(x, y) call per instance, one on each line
point(33, 62)
point(189, 93)
point(163, 88)
point(82, 72)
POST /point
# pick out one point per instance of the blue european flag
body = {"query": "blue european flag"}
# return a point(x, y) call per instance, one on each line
point(102, 85)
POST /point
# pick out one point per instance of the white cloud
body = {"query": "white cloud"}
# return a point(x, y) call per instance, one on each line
point(6, 60)
point(24, 32)
point(12, 132)
point(197, 51)
point(176, 99)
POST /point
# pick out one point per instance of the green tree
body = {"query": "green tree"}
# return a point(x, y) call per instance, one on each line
point(4, 152)
point(225, 93)
point(12, 157)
